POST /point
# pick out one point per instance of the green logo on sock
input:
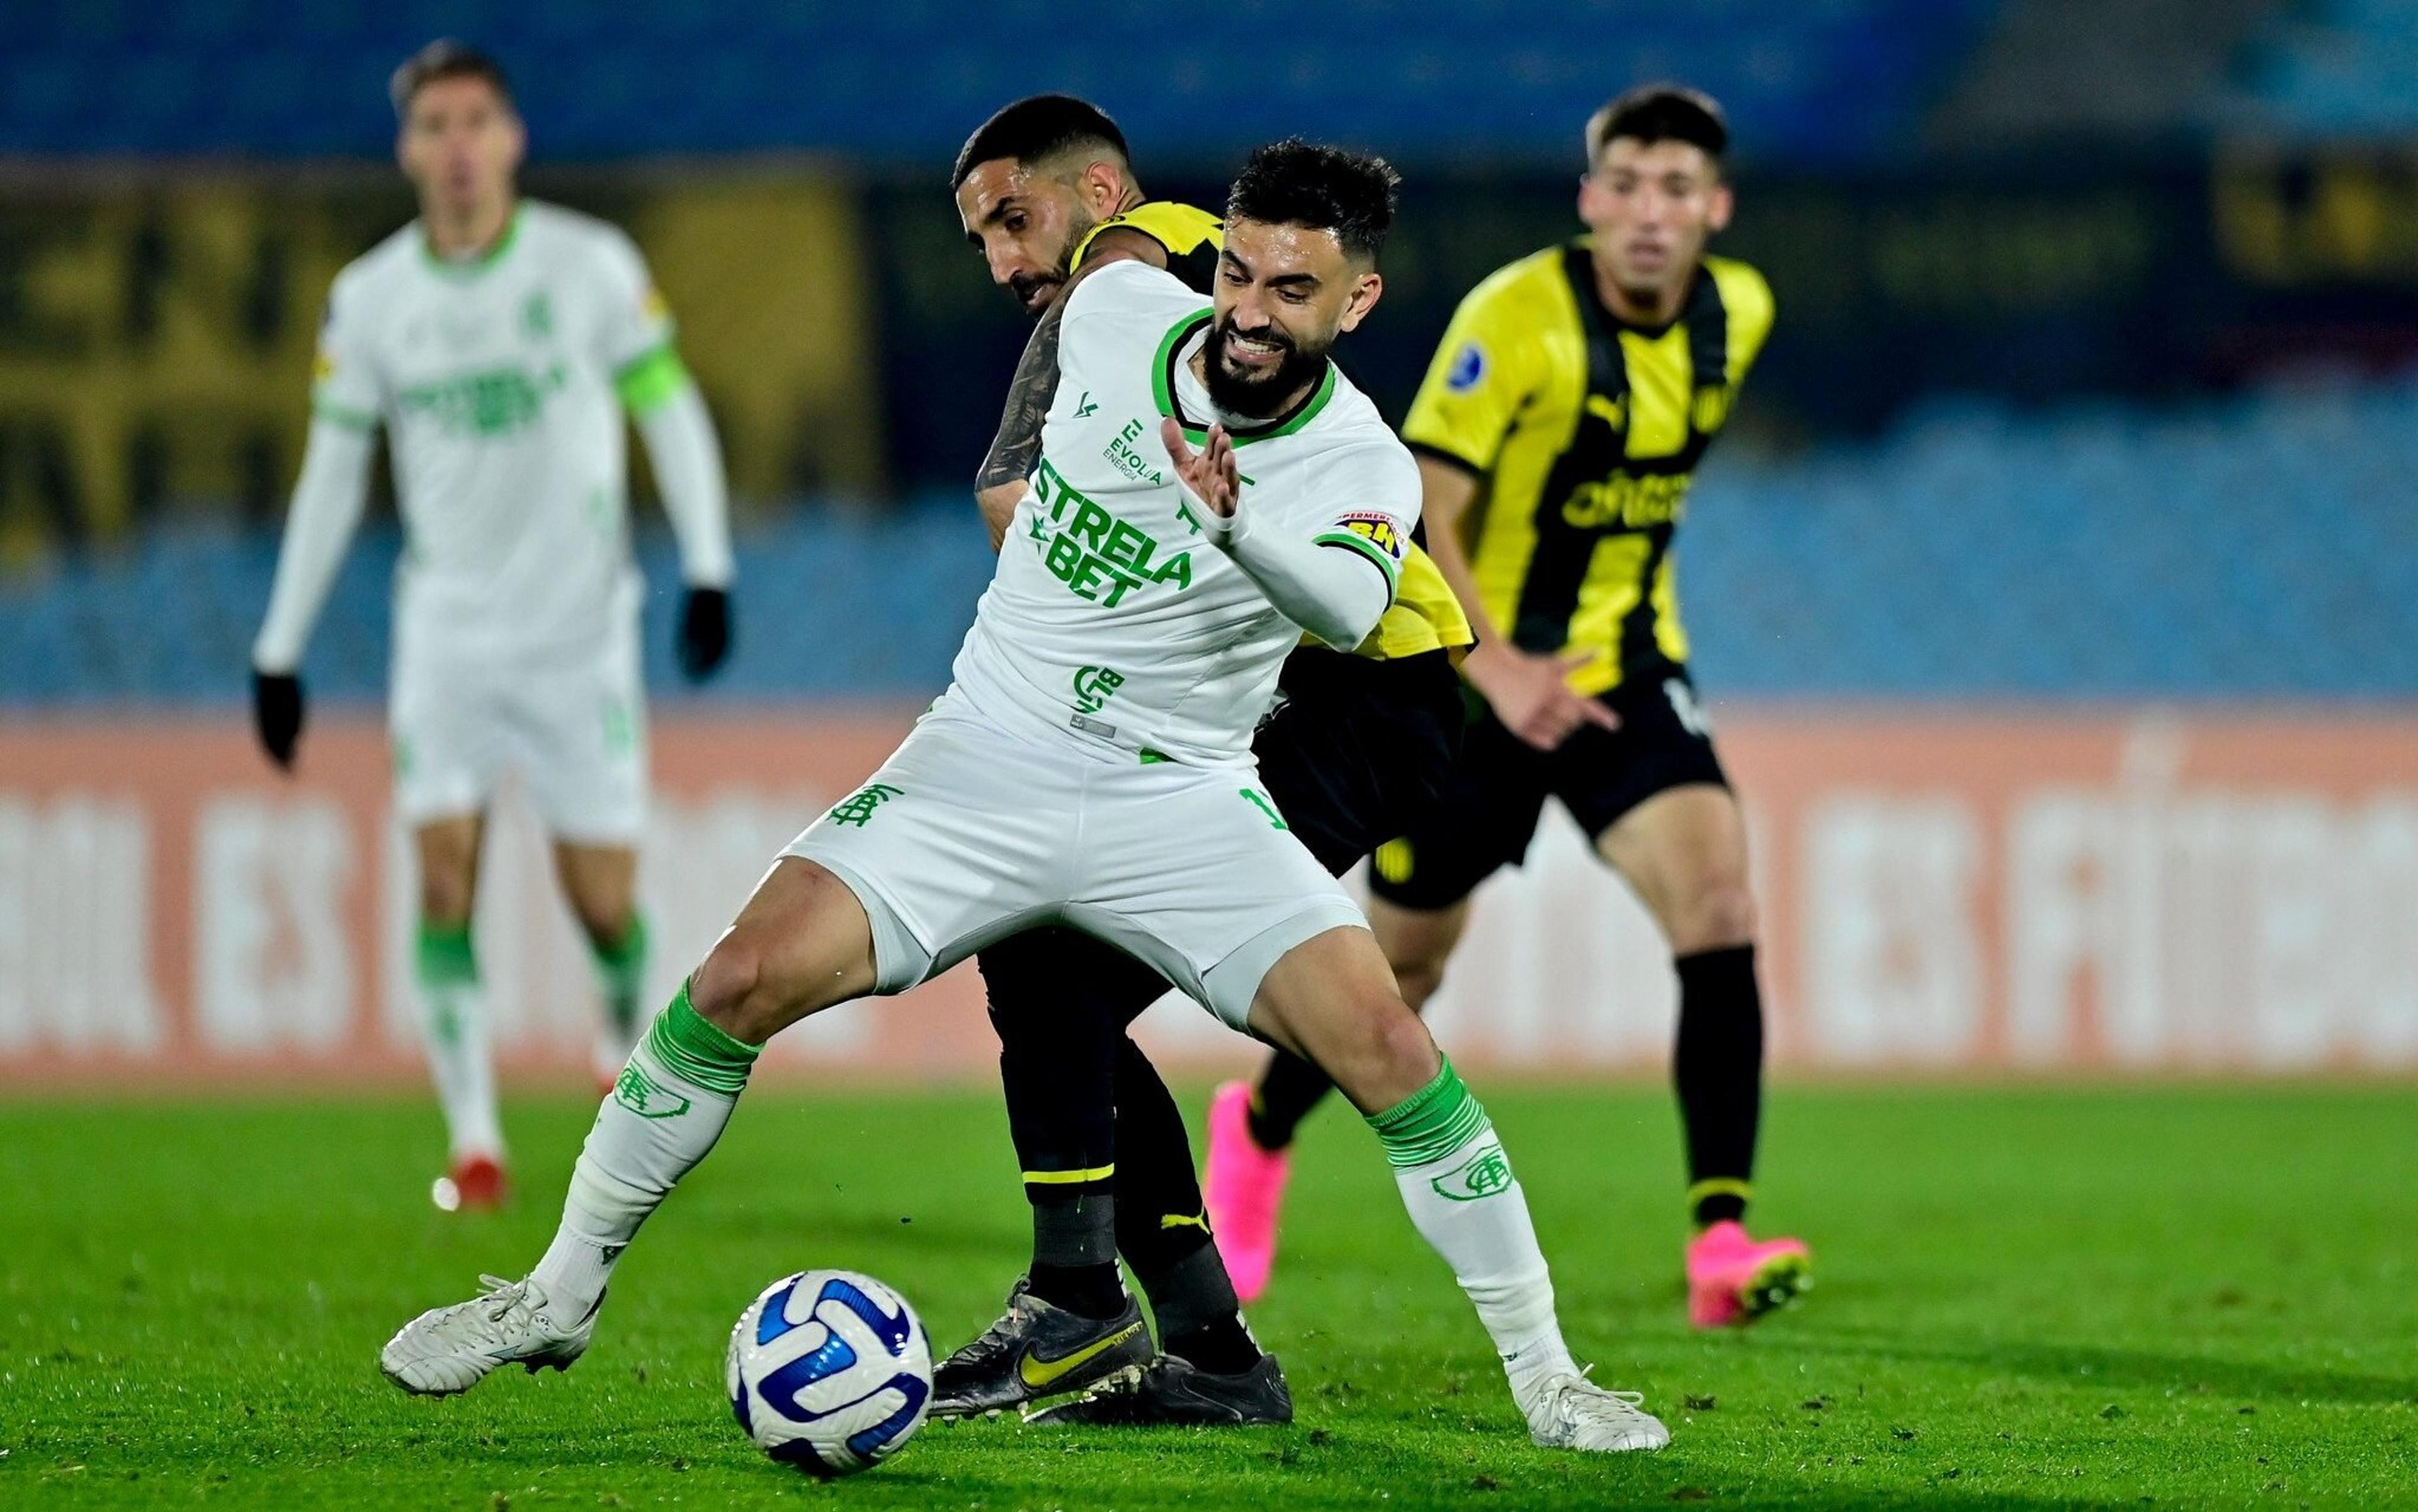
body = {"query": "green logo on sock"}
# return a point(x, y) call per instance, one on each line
point(644, 1098)
point(1483, 1174)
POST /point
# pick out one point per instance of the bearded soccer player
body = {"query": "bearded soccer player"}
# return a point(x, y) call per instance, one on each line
point(500, 341)
point(1036, 792)
point(1557, 432)
point(1047, 189)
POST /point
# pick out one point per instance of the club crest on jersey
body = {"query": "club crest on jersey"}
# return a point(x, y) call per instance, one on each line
point(1468, 369)
point(1379, 531)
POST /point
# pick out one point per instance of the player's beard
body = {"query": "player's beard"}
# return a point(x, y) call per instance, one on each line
point(1259, 396)
point(1026, 285)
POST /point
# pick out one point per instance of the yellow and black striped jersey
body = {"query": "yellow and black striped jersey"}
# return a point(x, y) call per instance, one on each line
point(1425, 615)
point(1585, 432)
point(1191, 236)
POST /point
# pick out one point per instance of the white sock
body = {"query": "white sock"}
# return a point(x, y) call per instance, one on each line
point(661, 1119)
point(1458, 1189)
point(453, 1028)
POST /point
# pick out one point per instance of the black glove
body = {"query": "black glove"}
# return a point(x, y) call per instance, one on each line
point(704, 632)
point(276, 715)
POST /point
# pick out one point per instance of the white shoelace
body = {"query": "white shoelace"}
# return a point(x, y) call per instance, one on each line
point(499, 1298)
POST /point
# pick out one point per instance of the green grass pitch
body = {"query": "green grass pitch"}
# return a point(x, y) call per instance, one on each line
point(2191, 1298)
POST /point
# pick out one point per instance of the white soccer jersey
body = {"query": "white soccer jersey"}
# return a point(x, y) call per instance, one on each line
point(495, 381)
point(1111, 616)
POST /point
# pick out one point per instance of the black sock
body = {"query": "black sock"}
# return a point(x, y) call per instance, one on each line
point(1718, 1066)
point(1199, 1319)
point(1222, 1347)
point(1288, 1090)
point(1159, 1218)
point(1085, 1290)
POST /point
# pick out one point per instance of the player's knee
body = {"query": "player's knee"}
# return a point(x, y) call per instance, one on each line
point(735, 989)
point(444, 898)
point(1385, 1055)
point(1715, 913)
point(607, 924)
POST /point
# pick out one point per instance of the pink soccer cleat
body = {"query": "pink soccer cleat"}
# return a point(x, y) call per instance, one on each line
point(1244, 1190)
point(1732, 1279)
point(474, 1184)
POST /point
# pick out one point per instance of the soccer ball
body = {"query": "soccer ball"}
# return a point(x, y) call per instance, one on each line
point(829, 1371)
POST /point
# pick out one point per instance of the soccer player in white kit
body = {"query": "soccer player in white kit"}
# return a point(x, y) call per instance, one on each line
point(1092, 765)
point(498, 341)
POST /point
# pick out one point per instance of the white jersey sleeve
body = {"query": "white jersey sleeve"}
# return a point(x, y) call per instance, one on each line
point(1329, 559)
point(345, 384)
point(632, 320)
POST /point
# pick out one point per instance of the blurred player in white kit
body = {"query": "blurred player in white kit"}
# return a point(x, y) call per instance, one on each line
point(498, 341)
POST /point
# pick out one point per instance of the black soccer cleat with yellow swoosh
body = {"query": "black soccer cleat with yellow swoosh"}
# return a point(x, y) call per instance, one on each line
point(1036, 1351)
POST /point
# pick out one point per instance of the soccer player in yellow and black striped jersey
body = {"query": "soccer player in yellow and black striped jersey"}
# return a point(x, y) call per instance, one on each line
point(1364, 737)
point(1558, 429)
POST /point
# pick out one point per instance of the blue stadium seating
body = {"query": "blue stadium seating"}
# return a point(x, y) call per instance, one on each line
point(2260, 546)
point(1819, 80)
point(2338, 69)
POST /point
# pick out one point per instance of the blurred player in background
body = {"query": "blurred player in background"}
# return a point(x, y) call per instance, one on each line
point(498, 341)
point(1047, 189)
point(1558, 430)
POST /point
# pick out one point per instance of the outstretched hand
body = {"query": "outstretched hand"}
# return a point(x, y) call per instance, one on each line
point(1210, 473)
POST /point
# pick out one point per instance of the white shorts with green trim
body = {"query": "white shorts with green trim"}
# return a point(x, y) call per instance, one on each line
point(970, 833)
point(573, 730)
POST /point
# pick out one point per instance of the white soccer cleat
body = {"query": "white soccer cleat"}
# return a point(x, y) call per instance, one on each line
point(1569, 1412)
point(449, 1350)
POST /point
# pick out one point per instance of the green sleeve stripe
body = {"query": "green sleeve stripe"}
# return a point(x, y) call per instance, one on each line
point(358, 419)
point(651, 379)
point(1370, 549)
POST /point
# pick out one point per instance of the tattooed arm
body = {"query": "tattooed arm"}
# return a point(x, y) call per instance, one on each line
point(998, 486)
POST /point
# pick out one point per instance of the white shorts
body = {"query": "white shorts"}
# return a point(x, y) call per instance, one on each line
point(573, 730)
point(970, 833)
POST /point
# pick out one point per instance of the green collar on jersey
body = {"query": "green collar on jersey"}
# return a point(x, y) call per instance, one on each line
point(1162, 390)
point(467, 267)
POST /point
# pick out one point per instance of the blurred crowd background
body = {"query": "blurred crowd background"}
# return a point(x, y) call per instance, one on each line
point(2096, 371)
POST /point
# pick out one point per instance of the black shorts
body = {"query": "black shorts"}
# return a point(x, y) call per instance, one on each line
point(1357, 751)
point(1489, 814)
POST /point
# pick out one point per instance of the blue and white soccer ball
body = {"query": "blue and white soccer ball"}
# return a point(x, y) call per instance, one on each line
point(829, 1371)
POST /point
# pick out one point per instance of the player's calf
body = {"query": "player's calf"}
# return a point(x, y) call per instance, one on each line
point(1333, 1000)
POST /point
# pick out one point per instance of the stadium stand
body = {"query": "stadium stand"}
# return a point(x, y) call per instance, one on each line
point(1815, 80)
point(2338, 69)
point(1974, 551)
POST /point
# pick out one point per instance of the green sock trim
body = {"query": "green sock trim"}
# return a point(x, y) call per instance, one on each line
point(624, 961)
point(699, 1052)
point(444, 957)
point(1431, 1123)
